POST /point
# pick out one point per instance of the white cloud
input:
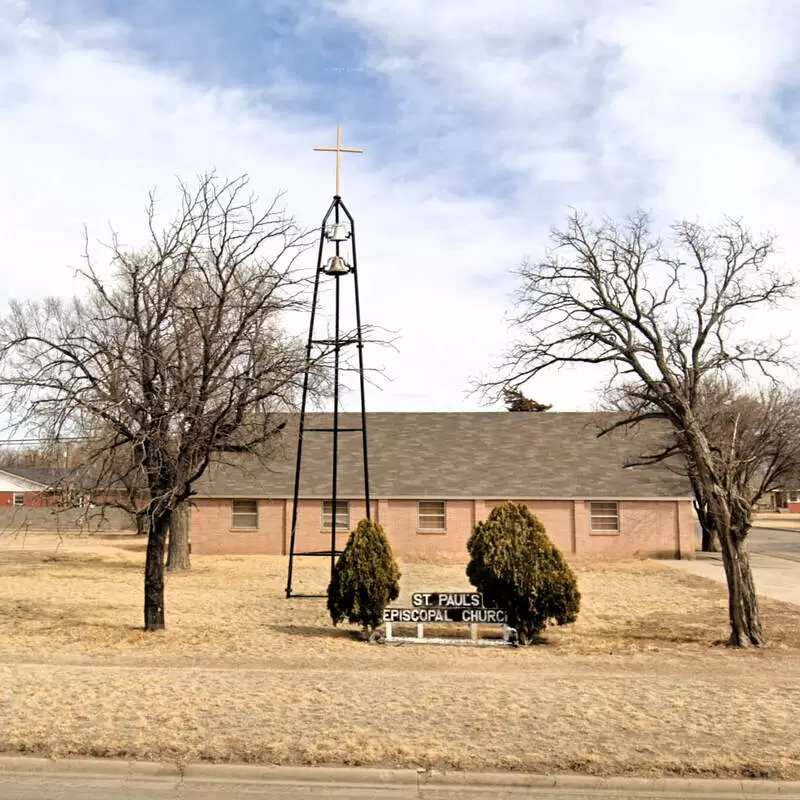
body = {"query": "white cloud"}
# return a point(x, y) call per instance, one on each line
point(88, 130)
point(659, 105)
point(610, 106)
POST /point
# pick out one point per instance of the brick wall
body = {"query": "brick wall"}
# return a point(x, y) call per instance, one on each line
point(401, 523)
point(310, 534)
point(212, 532)
point(646, 527)
point(31, 499)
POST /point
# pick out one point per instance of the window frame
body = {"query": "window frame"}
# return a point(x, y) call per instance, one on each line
point(604, 515)
point(21, 496)
point(234, 514)
point(793, 496)
point(427, 528)
point(327, 516)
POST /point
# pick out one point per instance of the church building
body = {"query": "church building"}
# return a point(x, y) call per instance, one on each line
point(434, 475)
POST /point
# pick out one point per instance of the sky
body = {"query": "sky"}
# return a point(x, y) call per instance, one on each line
point(482, 125)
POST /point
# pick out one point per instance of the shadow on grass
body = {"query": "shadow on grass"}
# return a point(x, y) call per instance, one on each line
point(671, 637)
point(53, 618)
point(657, 629)
point(124, 541)
point(100, 572)
point(314, 631)
point(29, 560)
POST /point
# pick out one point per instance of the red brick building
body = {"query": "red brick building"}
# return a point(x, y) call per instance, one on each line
point(434, 475)
point(786, 500)
point(25, 487)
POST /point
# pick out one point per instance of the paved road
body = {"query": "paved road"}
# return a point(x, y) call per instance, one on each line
point(774, 557)
point(775, 542)
point(114, 780)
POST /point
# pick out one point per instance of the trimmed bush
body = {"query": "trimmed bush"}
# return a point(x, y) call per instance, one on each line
point(516, 567)
point(366, 578)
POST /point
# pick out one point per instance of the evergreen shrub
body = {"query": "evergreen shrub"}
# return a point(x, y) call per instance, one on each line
point(366, 578)
point(517, 568)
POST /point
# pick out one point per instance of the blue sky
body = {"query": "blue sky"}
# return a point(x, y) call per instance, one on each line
point(482, 123)
point(242, 43)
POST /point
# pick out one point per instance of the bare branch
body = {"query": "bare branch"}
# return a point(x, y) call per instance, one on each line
point(665, 317)
point(179, 355)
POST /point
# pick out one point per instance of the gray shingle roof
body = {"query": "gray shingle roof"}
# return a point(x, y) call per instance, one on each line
point(459, 455)
point(45, 476)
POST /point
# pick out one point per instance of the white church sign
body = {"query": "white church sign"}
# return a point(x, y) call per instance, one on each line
point(443, 608)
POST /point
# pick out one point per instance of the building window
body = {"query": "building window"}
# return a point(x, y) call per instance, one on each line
point(342, 515)
point(605, 517)
point(794, 496)
point(245, 514)
point(19, 498)
point(432, 515)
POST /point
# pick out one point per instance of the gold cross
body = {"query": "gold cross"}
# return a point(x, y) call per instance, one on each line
point(338, 150)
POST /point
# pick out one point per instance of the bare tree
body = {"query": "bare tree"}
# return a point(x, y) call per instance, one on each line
point(178, 357)
point(178, 547)
point(754, 437)
point(663, 320)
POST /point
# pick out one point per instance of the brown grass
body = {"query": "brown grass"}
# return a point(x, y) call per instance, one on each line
point(636, 686)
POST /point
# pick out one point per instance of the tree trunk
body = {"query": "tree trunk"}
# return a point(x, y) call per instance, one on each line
point(154, 573)
point(728, 513)
point(142, 524)
point(710, 540)
point(178, 551)
point(742, 600)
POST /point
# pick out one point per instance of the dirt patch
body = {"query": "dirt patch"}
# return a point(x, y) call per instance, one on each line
point(636, 686)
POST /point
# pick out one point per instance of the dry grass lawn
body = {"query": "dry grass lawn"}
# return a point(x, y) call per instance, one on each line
point(636, 686)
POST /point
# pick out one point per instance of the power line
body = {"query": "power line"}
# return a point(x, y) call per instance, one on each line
point(42, 440)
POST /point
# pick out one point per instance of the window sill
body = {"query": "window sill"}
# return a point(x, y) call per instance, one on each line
point(605, 533)
point(431, 532)
point(243, 530)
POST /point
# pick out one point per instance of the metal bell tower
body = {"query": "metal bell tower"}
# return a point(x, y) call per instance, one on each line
point(337, 234)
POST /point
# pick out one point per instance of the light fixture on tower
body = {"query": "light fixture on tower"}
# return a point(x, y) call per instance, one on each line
point(337, 232)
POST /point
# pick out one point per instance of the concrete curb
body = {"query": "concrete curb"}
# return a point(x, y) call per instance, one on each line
point(357, 776)
point(90, 767)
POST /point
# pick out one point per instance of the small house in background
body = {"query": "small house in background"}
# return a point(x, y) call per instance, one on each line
point(27, 487)
point(48, 499)
point(434, 475)
point(785, 500)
